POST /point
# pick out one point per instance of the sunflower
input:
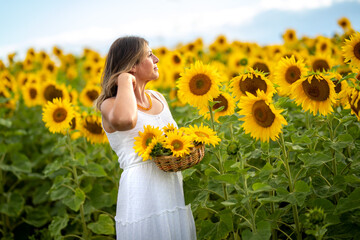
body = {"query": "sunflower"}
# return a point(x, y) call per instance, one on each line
point(287, 72)
point(202, 134)
point(340, 89)
point(169, 128)
point(250, 82)
point(261, 119)
point(315, 93)
point(345, 24)
point(224, 100)
point(175, 59)
point(321, 62)
point(57, 115)
point(238, 62)
point(354, 101)
point(89, 94)
point(91, 128)
point(289, 37)
point(31, 94)
point(198, 84)
point(144, 139)
point(75, 129)
point(10, 102)
point(261, 65)
point(323, 45)
point(178, 143)
point(351, 50)
point(51, 90)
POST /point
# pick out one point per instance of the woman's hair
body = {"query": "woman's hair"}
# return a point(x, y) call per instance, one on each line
point(123, 54)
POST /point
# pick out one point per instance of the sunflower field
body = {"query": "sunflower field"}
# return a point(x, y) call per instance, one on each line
point(284, 162)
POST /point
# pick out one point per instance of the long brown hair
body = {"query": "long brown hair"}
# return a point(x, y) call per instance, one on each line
point(123, 54)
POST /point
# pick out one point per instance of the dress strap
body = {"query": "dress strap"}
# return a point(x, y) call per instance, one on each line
point(156, 94)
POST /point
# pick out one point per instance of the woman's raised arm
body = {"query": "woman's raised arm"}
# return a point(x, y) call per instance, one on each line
point(120, 113)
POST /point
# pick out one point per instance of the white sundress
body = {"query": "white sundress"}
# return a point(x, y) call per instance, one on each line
point(150, 203)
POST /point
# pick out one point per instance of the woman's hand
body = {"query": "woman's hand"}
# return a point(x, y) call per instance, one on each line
point(126, 77)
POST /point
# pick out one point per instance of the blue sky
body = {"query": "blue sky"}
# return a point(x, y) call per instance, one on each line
point(75, 24)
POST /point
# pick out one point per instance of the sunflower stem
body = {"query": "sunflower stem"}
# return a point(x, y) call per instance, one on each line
point(221, 167)
point(76, 179)
point(291, 185)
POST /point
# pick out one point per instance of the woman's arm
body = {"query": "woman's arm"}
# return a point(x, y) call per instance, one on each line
point(120, 113)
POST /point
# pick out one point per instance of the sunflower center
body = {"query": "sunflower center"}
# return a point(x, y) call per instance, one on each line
point(263, 114)
point(242, 62)
point(200, 84)
point(291, 36)
point(356, 109)
point(222, 102)
point(261, 67)
point(202, 134)
point(337, 86)
point(59, 115)
point(320, 65)
point(92, 95)
point(323, 47)
point(357, 50)
point(93, 127)
point(176, 59)
point(50, 67)
point(343, 24)
point(176, 76)
point(177, 144)
point(52, 92)
point(292, 74)
point(252, 84)
point(191, 47)
point(33, 93)
point(73, 124)
point(317, 90)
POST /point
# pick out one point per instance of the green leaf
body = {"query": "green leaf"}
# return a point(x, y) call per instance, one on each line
point(342, 141)
point(74, 201)
point(95, 170)
point(100, 199)
point(227, 178)
point(261, 187)
point(350, 203)
point(20, 163)
point(40, 194)
point(3, 148)
point(314, 159)
point(14, 206)
point(188, 172)
point(104, 225)
point(57, 224)
point(5, 122)
point(37, 217)
point(263, 232)
point(301, 186)
point(303, 139)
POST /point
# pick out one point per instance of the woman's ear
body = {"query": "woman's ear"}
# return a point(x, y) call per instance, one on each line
point(133, 69)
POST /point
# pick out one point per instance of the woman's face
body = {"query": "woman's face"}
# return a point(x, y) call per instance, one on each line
point(147, 69)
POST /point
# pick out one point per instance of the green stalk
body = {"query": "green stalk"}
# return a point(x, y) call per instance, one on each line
point(221, 167)
point(76, 179)
point(291, 186)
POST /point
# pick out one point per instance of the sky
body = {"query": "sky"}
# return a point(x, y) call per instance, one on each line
point(75, 24)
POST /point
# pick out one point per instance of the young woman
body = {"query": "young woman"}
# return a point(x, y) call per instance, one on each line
point(150, 202)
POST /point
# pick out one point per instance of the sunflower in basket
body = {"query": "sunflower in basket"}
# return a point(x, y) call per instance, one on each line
point(171, 141)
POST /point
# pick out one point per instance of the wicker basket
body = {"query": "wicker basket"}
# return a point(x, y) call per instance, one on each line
point(174, 164)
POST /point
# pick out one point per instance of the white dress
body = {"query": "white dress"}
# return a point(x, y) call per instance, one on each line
point(150, 203)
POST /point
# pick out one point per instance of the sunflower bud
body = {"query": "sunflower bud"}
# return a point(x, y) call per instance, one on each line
point(232, 148)
point(315, 216)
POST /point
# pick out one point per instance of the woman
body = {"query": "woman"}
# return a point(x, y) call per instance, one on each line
point(150, 201)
